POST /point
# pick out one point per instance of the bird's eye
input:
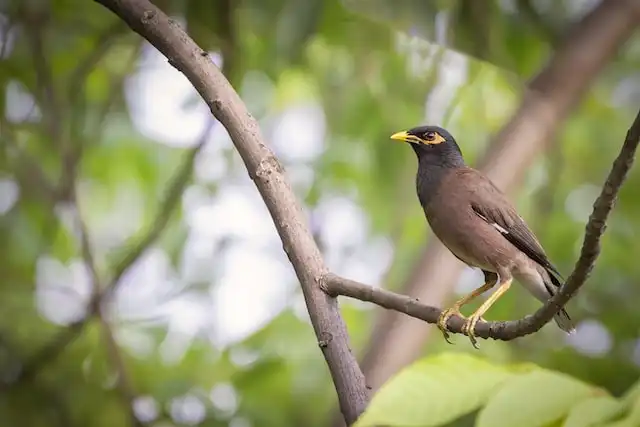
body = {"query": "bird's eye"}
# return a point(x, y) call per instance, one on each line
point(430, 136)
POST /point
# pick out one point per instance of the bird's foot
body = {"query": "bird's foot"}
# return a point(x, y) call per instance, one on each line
point(469, 328)
point(444, 317)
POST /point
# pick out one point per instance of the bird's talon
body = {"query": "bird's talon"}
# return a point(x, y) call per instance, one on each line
point(442, 322)
point(469, 329)
point(474, 342)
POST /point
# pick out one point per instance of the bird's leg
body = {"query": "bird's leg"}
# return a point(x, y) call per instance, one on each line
point(490, 281)
point(470, 325)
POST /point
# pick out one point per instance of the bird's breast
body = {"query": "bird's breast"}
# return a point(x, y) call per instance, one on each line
point(468, 239)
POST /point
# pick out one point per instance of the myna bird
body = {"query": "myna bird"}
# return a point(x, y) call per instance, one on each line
point(478, 224)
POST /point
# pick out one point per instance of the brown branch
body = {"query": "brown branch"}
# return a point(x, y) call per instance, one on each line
point(167, 36)
point(509, 330)
point(550, 97)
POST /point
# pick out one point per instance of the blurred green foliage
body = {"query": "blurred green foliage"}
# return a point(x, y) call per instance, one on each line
point(70, 135)
point(441, 389)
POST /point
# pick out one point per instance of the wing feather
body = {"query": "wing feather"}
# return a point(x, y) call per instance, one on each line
point(490, 204)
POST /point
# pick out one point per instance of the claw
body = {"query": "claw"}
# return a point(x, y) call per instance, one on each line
point(469, 329)
point(442, 321)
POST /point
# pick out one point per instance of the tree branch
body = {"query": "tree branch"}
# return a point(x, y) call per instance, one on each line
point(509, 330)
point(267, 173)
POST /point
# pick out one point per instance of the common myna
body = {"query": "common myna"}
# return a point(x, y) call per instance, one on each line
point(478, 224)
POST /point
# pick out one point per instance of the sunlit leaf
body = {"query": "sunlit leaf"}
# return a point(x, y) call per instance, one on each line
point(534, 399)
point(435, 391)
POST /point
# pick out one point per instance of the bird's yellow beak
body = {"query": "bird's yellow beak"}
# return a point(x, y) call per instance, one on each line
point(404, 136)
point(401, 136)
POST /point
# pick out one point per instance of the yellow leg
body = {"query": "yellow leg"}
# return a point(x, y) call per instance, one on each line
point(455, 309)
point(470, 325)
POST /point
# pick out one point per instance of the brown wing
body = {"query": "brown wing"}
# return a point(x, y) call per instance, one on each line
point(490, 204)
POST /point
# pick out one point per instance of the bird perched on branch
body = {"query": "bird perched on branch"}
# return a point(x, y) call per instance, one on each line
point(478, 224)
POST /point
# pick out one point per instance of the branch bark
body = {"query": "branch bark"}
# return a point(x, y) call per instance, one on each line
point(267, 173)
point(396, 340)
point(509, 330)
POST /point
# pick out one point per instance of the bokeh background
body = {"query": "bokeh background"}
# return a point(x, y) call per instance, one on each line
point(200, 319)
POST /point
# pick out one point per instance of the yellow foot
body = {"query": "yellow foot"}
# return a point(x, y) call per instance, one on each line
point(469, 328)
point(444, 317)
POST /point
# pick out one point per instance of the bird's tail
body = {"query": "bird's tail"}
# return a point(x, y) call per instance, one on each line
point(562, 318)
point(564, 322)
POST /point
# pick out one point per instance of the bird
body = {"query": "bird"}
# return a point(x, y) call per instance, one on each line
point(478, 224)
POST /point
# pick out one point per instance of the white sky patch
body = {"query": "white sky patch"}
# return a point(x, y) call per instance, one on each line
point(591, 338)
point(147, 288)
point(225, 398)
point(9, 193)
point(578, 203)
point(299, 133)
point(20, 104)
point(470, 279)
point(452, 75)
point(342, 224)
point(137, 341)
point(251, 291)
point(369, 263)
point(229, 213)
point(62, 291)
point(145, 408)
point(164, 105)
point(188, 409)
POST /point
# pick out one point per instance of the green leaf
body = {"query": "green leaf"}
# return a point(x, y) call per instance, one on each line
point(435, 391)
point(631, 420)
point(534, 399)
point(593, 412)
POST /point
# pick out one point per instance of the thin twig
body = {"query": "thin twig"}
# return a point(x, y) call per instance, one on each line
point(164, 213)
point(29, 173)
point(113, 351)
point(509, 330)
point(114, 354)
point(37, 21)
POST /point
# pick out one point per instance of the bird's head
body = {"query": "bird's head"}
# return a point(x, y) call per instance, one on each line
point(433, 144)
